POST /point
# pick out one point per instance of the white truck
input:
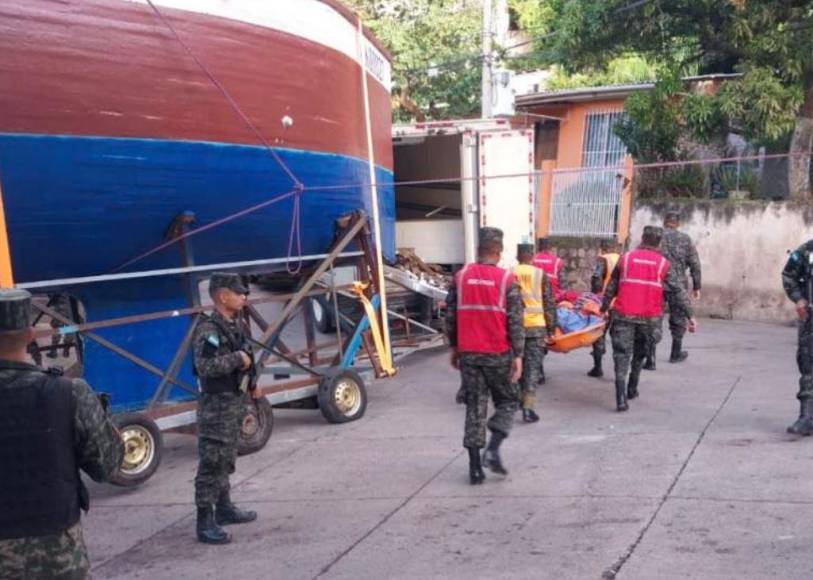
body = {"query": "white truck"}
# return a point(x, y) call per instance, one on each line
point(456, 176)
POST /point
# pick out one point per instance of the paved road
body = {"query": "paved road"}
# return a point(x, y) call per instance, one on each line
point(698, 480)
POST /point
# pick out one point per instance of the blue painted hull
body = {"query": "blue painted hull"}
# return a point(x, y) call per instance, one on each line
point(82, 206)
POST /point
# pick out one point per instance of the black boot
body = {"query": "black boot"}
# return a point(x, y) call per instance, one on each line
point(492, 458)
point(621, 395)
point(460, 396)
point(596, 372)
point(529, 416)
point(678, 355)
point(476, 473)
point(227, 513)
point(208, 531)
point(632, 386)
point(649, 363)
point(804, 424)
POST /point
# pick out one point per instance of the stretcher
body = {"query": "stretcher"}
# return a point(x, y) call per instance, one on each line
point(564, 343)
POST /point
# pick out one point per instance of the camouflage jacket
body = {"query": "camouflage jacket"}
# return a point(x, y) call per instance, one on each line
point(516, 330)
point(677, 247)
point(673, 287)
point(213, 350)
point(797, 272)
point(99, 453)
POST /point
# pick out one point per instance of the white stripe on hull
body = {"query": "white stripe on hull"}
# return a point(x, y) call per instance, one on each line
point(311, 20)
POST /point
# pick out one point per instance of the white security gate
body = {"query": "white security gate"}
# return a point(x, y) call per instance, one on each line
point(586, 202)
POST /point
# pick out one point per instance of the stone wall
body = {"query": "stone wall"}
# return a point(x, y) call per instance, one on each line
point(743, 247)
point(580, 257)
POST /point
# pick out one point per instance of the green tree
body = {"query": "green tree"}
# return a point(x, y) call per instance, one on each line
point(436, 46)
point(770, 42)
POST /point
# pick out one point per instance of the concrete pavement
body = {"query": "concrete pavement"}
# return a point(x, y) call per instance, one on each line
point(698, 480)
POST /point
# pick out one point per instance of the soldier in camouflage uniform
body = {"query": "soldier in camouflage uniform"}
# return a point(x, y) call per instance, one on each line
point(50, 428)
point(677, 247)
point(539, 320)
point(487, 340)
point(599, 280)
point(797, 278)
point(223, 361)
point(638, 310)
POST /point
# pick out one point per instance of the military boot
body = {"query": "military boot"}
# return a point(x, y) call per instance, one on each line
point(678, 355)
point(632, 385)
point(492, 458)
point(476, 473)
point(529, 416)
point(208, 531)
point(621, 395)
point(597, 371)
point(649, 363)
point(804, 424)
point(227, 513)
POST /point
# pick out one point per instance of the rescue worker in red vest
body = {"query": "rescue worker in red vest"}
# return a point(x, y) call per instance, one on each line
point(484, 323)
point(550, 263)
point(638, 285)
point(599, 280)
point(540, 318)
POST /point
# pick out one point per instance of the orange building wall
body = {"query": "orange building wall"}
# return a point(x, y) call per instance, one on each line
point(571, 130)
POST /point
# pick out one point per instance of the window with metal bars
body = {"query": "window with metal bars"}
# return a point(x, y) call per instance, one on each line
point(602, 147)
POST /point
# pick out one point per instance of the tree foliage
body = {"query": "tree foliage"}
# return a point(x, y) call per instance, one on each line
point(769, 42)
point(436, 45)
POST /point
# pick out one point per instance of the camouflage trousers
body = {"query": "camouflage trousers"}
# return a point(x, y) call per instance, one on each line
point(632, 342)
point(480, 382)
point(804, 358)
point(531, 368)
point(57, 557)
point(220, 417)
point(678, 320)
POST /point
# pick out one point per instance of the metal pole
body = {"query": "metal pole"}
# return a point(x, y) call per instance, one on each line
point(487, 85)
point(374, 197)
point(336, 312)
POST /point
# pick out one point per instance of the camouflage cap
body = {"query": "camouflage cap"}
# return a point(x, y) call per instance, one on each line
point(490, 235)
point(227, 280)
point(15, 309)
point(525, 248)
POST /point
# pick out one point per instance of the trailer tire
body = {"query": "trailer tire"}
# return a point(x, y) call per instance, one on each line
point(143, 446)
point(258, 422)
point(323, 314)
point(342, 396)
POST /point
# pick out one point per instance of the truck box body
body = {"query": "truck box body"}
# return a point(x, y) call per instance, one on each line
point(457, 176)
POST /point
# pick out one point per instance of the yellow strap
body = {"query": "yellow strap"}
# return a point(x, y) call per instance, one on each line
point(381, 348)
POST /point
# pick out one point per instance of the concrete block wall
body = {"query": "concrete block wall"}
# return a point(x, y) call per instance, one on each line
point(743, 247)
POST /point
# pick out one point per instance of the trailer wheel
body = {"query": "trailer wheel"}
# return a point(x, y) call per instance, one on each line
point(322, 314)
point(258, 423)
point(342, 396)
point(143, 445)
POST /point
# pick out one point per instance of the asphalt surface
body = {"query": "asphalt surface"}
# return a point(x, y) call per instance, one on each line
point(697, 480)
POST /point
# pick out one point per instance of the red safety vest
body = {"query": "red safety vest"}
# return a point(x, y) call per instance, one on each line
point(552, 265)
point(640, 284)
point(482, 322)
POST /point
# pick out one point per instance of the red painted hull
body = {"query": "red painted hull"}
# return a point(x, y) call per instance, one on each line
point(111, 68)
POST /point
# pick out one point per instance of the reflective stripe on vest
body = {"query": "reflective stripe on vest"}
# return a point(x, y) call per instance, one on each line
point(611, 260)
point(551, 265)
point(482, 323)
point(530, 280)
point(640, 284)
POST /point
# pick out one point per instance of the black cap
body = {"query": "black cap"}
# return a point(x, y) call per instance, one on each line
point(227, 280)
point(15, 309)
point(525, 248)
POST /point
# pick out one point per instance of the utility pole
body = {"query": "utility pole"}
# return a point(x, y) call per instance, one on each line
point(488, 60)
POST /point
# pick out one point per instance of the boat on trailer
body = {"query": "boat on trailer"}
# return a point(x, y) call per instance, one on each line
point(147, 143)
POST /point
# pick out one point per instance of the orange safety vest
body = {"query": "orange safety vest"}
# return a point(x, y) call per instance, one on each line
point(611, 259)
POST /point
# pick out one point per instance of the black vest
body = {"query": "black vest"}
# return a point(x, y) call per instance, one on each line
point(40, 488)
point(227, 383)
